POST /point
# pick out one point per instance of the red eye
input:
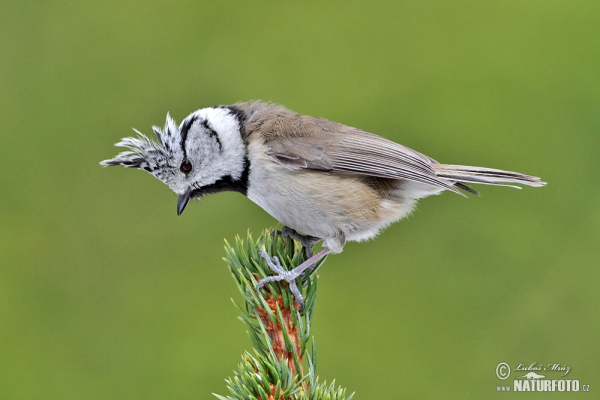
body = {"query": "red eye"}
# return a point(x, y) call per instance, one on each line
point(186, 167)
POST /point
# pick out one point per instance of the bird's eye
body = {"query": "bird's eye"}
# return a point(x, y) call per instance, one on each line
point(185, 167)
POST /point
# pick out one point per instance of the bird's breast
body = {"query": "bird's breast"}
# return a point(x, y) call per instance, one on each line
point(322, 204)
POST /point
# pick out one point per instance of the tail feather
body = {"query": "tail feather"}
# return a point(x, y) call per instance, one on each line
point(486, 176)
point(466, 188)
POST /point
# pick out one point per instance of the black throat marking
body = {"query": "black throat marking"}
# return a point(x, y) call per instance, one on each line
point(227, 184)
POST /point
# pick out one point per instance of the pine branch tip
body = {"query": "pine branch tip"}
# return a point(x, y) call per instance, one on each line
point(279, 332)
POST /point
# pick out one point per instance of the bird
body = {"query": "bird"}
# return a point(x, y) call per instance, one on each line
point(323, 180)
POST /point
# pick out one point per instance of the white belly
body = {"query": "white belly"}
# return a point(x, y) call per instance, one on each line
point(328, 206)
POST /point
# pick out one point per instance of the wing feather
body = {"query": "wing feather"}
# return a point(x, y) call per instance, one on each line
point(337, 148)
point(303, 142)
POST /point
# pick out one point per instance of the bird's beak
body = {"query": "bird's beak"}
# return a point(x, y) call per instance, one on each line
point(183, 200)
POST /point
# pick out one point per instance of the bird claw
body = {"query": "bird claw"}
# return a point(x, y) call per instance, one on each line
point(281, 275)
point(306, 240)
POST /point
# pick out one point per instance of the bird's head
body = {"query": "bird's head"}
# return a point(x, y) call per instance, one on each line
point(205, 154)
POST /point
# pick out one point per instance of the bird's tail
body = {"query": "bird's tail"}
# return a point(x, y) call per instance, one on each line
point(487, 176)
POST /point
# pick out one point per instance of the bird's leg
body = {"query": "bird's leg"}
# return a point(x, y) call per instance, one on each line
point(306, 240)
point(289, 276)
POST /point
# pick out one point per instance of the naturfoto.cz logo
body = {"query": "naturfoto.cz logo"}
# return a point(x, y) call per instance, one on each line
point(536, 377)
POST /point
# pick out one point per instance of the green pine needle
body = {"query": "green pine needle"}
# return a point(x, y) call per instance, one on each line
point(280, 333)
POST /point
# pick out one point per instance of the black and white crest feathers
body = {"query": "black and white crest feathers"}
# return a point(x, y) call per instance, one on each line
point(145, 153)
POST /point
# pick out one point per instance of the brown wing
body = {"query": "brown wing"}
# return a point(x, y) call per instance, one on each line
point(300, 141)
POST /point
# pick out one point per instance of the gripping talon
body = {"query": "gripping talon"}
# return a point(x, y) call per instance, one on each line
point(282, 275)
point(266, 280)
point(298, 299)
point(290, 276)
point(306, 240)
point(275, 266)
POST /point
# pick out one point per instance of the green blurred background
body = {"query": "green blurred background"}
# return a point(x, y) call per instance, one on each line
point(106, 294)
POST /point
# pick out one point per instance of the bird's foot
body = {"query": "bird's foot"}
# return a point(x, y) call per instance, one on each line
point(289, 276)
point(282, 275)
point(306, 240)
